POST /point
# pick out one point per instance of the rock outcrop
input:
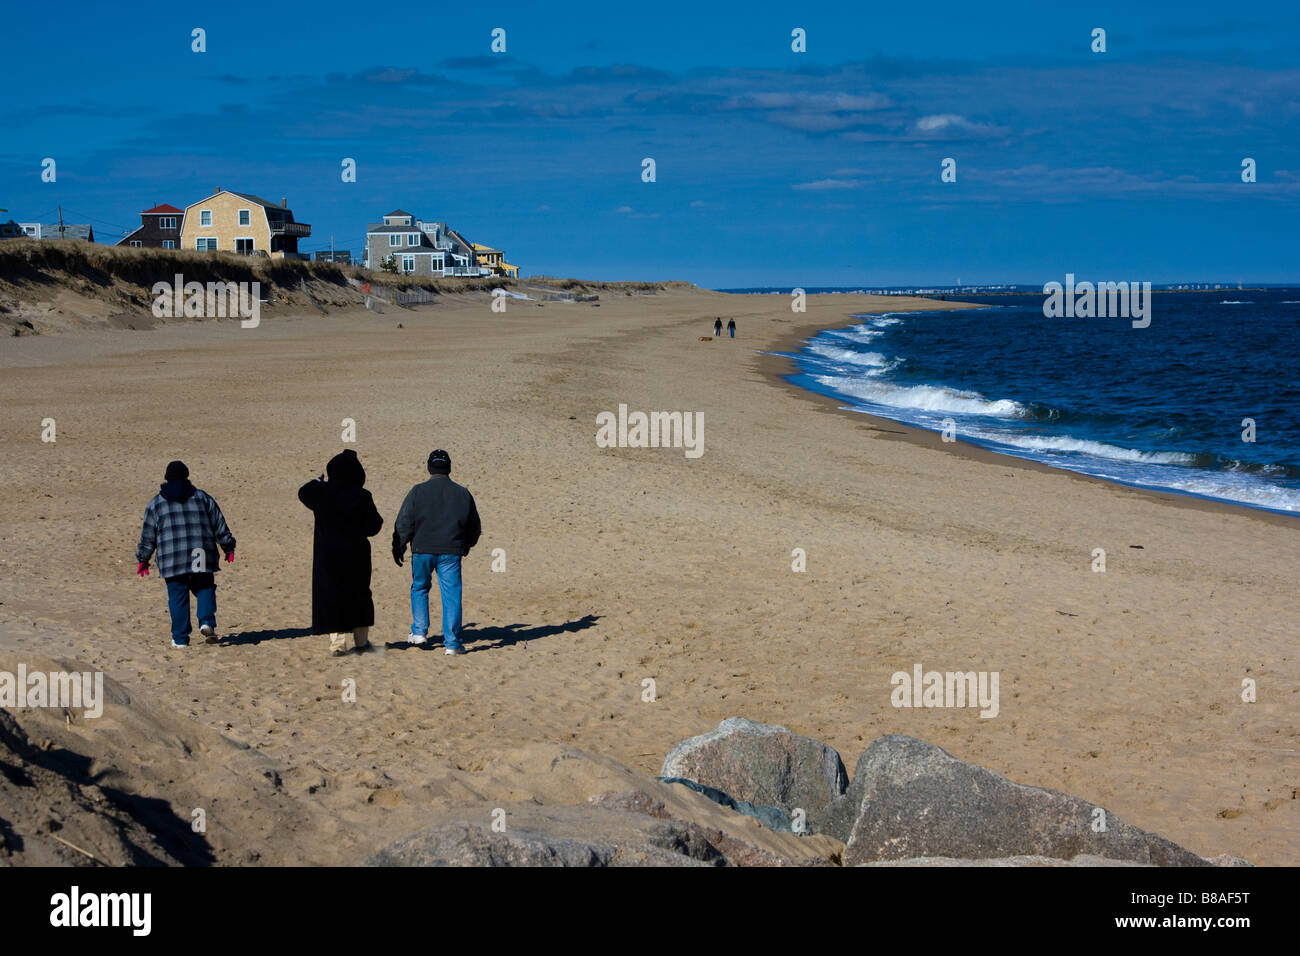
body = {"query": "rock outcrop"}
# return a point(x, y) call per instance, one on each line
point(913, 799)
point(764, 765)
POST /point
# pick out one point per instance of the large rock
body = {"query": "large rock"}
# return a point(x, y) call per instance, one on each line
point(738, 850)
point(774, 818)
point(763, 765)
point(911, 799)
point(554, 836)
point(1007, 861)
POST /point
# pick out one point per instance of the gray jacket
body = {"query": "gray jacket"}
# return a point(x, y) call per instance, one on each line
point(438, 516)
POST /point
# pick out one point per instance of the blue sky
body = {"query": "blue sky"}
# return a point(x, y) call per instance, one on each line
point(773, 168)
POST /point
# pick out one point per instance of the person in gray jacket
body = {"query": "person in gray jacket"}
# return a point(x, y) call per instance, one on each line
point(440, 522)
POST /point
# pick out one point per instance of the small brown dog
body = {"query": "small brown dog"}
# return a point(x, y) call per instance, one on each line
point(706, 338)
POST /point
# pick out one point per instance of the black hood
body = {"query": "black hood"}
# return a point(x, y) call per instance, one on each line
point(345, 470)
point(178, 490)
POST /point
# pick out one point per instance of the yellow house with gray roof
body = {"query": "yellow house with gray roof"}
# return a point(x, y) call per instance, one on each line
point(241, 222)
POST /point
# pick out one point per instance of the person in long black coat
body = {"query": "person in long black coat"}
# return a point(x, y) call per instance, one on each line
point(341, 603)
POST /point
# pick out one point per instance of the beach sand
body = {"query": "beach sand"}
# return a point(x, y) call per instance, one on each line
point(622, 565)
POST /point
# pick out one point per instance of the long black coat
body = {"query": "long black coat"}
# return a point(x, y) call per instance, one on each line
point(340, 570)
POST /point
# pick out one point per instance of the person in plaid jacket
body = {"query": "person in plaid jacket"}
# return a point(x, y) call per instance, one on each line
point(184, 526)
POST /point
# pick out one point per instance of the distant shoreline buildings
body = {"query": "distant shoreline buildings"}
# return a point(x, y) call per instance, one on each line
point(246, 224)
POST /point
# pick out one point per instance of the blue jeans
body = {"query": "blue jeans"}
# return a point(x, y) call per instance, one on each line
point(448, 569)
point(179, 587)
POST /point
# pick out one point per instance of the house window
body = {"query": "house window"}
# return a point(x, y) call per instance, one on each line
point(413, 239)
point(169, 244)
point(136, 243)
point(395, 239)
point(166, 222)
point(436, 262)
point(408, 263)
point(244, 246)
point(244, 218)
point(206, 245)
point(205, 217)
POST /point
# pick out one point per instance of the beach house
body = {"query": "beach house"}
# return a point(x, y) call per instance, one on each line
point(419, 248)
point(160, 228)
point(495, 261)
point(241, 222)
point(58, 230)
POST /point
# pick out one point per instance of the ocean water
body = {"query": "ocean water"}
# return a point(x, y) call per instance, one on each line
point(1160, 407)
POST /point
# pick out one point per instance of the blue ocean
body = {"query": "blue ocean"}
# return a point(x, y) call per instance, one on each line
point(1160, 407)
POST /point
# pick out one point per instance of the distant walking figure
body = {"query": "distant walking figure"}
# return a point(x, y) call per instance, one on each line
point(717, 326)
point(341, 603)
point(184, 526)
point(731, 328)
point(440, 522)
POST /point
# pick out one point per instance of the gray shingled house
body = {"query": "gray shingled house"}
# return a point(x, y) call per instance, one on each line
point(419, 248)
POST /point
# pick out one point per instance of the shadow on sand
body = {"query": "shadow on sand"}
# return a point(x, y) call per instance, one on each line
point(477, 638)
point(257, 637)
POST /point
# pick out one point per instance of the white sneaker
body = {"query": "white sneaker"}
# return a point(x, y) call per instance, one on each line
point(182, 646)
point(454, 650)
point(416, 639)
point(208, 633)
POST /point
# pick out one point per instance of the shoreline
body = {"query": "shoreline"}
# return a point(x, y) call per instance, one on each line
point(776, 367)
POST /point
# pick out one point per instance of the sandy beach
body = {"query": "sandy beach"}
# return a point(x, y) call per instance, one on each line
point(621, 565)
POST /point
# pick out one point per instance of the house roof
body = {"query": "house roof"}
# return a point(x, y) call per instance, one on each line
point(164, 210)
point(378, 227)
point(479, 247)
point(397, 212)
point(258, 200)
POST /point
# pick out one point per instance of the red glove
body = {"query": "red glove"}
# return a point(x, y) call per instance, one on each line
point(143, 569)
point(230, 557)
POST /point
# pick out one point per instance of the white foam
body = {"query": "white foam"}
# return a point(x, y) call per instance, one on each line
point(1084, 446)
point(926, 398)
point(872, 360)
point(1258, 493)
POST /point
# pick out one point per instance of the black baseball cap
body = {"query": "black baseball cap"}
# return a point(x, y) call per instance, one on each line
point(439, 462)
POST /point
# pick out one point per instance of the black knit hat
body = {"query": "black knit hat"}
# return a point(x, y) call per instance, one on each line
point(439, 462)
point(176, 471)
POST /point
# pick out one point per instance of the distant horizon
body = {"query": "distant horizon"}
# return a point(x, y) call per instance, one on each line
point(772, 166)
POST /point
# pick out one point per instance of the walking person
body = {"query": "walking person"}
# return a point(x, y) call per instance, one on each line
point(440, 522)
point(717, 327)
point(342, 606)
point(184, 526)
point(731, 328)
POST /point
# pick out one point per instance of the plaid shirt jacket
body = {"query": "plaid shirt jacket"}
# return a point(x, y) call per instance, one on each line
point(185, 534)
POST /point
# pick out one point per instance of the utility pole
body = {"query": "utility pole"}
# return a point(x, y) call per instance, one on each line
point(331, 247)
point(60, 220)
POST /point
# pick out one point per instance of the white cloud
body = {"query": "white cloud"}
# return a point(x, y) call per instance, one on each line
point(824, 184)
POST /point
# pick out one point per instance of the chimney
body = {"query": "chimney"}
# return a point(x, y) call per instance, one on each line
point(217, 190)
point(284, 203)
